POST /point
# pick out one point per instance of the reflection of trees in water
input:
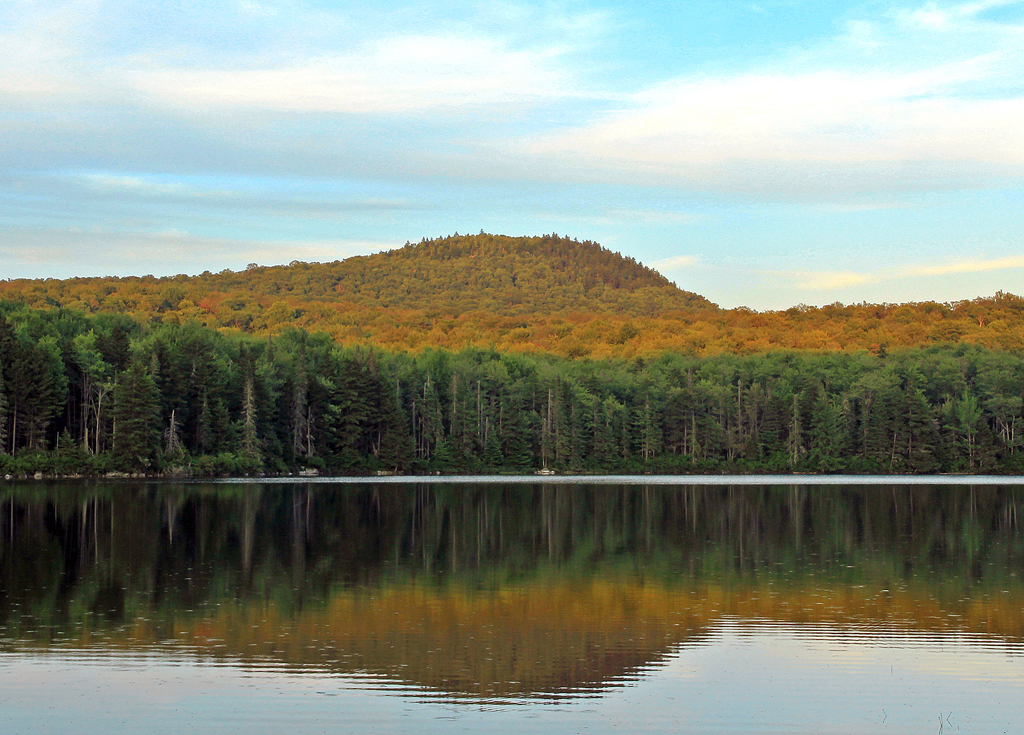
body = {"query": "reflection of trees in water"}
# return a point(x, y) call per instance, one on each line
point(520, 641)
point(497, 589)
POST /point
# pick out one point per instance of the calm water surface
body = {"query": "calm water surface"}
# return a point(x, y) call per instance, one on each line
point(594, 606)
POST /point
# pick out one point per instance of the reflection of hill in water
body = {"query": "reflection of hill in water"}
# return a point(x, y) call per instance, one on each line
point(536, 639)
point(512, 643)
point(496, 593)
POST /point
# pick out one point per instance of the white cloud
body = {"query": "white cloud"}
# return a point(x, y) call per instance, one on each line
point(36, 47)
point(390, 76)
point(652, 215)
point(828, 116)
point(930, 17)
point(829, 280)
point(948, 17)
point(675, 263)
point(969, 266)
point(883, 106)
point(258, 9)
point(299, 199)
point(862, 34)
point(875, 108)
point(863, 206)
point(54, 252)
point(837, 280)
point(134, 185)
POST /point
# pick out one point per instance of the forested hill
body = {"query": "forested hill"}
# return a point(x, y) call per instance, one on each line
point(452, 275)
point(545, 294)
point(518, 275)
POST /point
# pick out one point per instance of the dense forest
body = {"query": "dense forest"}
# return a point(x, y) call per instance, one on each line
point(547, 294)
point(85, 393)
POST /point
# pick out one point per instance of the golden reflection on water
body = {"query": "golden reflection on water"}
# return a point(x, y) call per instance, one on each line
point(499, 593)
point(537, 639)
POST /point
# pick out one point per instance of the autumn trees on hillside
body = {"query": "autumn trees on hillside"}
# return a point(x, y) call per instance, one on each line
point(545, 294)
point(451, 276)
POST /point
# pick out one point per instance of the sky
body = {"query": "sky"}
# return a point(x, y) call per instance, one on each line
point(762, 154)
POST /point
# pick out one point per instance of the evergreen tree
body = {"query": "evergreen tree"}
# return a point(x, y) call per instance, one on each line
point(394, 443)
point(249, 441)
point(136, 418)
point(517, 429)
point(249, 449)
point(300, 414)
point(494, 459)
point(203, 426)
point(429, 419)
point(825, 438)
point(915, 434)
point(648, 429)
point(32, 399)
point(3, 410)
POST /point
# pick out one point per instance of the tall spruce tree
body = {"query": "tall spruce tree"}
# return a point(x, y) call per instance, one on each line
point(3, 411)
point(136, 418)
point(249, 442)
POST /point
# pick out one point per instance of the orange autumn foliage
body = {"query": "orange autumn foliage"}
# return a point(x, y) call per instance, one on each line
point(529, 294)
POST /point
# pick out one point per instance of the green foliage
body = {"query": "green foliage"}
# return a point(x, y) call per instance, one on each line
point(136, 414)
point(194, 399)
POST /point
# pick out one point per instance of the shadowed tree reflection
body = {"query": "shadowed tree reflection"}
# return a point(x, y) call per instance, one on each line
point(496, 590)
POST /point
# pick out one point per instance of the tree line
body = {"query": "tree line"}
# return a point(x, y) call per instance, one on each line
point(82, 394)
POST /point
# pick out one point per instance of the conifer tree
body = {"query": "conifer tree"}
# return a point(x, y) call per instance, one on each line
point(249, 442)
point(394, 443)
point(825, 437)
point(493, 458)
point(300, 414)
point(136, 418)
point(3, 411)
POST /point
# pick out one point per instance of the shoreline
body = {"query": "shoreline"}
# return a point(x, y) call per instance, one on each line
point(706, 478)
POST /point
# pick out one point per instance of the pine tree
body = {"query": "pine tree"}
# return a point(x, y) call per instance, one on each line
point(430, 421)
point(394, 443)
point(300, 415)
point(825, 438)
point(494, 460)
point(918, 432)
point(795, 441)
point(249, 449)
point(32, 399)
point(547, 431)
point(6, 347)
point(204, 428)
point(136, 418)
point(648, 429)
point(603, 444)
point(3, 411)
point(517, 426)
point(249, 443)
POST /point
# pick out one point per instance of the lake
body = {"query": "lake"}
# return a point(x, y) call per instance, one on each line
point(547, 605)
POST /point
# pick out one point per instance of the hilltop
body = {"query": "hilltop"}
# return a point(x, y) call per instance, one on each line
point(515, 294)
point(516, 275)
point(451, 275)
